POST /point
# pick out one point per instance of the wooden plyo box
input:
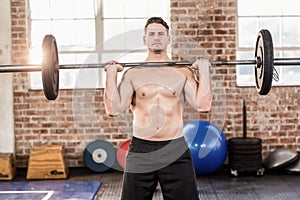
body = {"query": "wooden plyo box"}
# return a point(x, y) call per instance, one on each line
point(47, 162)
point(8, 169)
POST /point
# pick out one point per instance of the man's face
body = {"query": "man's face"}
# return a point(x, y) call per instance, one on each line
point(156, 37)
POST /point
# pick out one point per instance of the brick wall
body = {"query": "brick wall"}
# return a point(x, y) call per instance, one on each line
point(275, 117)
point(201, 27)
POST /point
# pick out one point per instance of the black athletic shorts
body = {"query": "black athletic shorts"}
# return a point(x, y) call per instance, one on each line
point(168, 163)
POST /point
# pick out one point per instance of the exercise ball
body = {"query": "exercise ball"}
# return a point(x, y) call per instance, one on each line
point(207, 144)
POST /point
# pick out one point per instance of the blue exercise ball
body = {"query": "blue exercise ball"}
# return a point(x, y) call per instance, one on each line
point(208, 146)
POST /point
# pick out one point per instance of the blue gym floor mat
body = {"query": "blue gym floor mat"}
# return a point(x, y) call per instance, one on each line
point(49, 190)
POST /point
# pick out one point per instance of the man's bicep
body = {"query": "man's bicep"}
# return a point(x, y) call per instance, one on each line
point(119, 97)
point(126, 91)
point(190, 90)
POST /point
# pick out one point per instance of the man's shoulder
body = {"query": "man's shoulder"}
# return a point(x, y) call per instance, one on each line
point(130, 71)
point(186, 69)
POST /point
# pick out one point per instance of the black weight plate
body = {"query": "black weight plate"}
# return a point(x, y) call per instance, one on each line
point(246, 158)
point(254, 151)
point(265, 62)
point(241, 166)
point(99, 156)
point(244, 141)
point(246, 169)
point(245, 163)
point(50, 67)
point(253, 159)
point(248, 147)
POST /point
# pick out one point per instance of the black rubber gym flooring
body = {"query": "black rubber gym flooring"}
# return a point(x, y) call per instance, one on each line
point(219, 185)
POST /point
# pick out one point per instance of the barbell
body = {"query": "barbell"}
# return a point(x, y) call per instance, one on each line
point(263, 65)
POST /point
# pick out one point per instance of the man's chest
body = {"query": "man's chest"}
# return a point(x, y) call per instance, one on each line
point(158, 79)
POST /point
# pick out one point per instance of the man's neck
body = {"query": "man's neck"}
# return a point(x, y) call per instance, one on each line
point(158, 56)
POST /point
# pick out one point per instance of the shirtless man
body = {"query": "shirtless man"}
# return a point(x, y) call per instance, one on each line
point(158, 152)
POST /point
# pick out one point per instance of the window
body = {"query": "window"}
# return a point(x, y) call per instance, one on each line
point(280, 18)
point(72, 22)
point(91, 31)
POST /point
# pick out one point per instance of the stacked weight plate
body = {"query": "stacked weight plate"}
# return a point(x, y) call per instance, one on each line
point(245, 153)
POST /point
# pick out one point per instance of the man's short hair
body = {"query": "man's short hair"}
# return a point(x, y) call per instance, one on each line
point(157, 20)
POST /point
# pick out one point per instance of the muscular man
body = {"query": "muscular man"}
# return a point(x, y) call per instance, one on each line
point(158, 152)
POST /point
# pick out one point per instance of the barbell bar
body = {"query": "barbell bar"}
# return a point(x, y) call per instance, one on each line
point(38, 67)
point(264, 65)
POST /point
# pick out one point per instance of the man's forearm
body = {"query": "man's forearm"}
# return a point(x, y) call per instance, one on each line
point(110, 91)
point(204, 91)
